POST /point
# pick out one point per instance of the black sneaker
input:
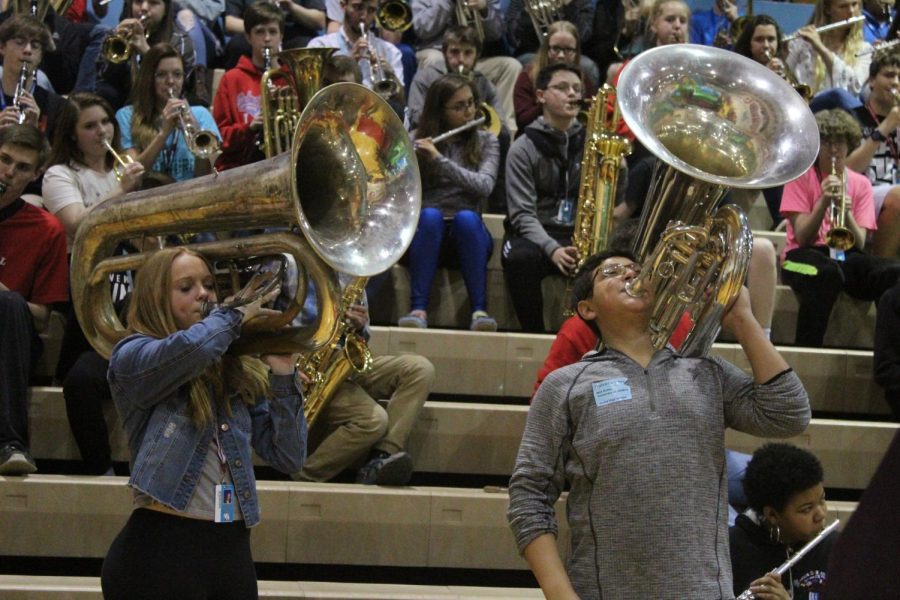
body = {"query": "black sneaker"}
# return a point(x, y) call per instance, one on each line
point(386, 469)
point(16, 461)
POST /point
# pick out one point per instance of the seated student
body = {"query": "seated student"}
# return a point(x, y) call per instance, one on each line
point(458, 174)
point(237, 108)
point(619, 32)
point(114, 81)
point(152, 125)
point(886, 357)
point(783, 484)
point(202, 20)
point(835, 59)
point(560, 46)
point(360, 15)
point(33, 277)
point(878, 14)
point(353, 427)
point(543, 172)
point(461, 49)
point(431, 18)
point(814, 271)
point(23, 40)
point(878, 155)
point(301, 21)
point(712, 27)
point(524, 41)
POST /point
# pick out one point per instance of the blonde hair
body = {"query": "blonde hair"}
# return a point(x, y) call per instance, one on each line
point(853, 41)
point(150, 313)
point(656, 11)
point(543, 54)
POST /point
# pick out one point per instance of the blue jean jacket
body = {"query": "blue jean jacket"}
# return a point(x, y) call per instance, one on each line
point(149, 380)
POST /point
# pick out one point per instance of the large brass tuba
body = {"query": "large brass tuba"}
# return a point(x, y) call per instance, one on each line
point(714, 120)
point(282, 105)
point(350, 184)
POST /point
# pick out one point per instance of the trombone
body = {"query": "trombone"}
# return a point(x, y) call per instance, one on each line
point(21, 89)
point(829, 27)
point(839, 237)
point(468, 17)
point(119, 168)
point(202, 143)
point(383, 83)
point(116, 47)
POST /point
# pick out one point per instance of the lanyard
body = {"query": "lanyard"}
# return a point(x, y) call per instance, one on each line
point(891, 139)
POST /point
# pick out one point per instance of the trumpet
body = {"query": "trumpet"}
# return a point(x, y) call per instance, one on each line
point(793, 560)
point(829, 27)
point(21, 89)
point(116, 47)
point(468, 17)
point(119, 169)
point(839, 236)
point(202, 143)
point(878, 48)
point(488, 120)
point(383, 83)
point(801, 88)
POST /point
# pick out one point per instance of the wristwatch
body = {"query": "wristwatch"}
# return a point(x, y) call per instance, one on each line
point(877, 136)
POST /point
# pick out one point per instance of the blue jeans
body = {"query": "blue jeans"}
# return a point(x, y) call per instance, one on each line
point(467, 235)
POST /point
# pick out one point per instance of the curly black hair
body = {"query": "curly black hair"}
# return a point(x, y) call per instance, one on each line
point(777, 472)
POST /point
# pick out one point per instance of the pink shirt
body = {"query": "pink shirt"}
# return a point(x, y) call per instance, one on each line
point(801, 195)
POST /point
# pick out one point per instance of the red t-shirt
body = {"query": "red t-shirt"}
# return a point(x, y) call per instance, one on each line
point(801, 195)
point(33, 254)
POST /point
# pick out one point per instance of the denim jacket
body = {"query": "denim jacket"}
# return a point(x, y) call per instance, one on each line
point(149, 380)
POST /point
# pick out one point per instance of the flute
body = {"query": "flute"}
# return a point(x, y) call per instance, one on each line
point(879, 47)
point(829, 27)
point(748, 595)
point(449, 134)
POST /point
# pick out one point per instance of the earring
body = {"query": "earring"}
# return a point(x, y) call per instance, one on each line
point(775, 534)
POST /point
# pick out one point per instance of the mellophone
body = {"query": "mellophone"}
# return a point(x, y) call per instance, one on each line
point(748, 595)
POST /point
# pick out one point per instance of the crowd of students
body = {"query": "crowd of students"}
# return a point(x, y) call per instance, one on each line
point(118, 126)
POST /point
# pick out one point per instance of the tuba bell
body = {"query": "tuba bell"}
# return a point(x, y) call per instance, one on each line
point(715, 120)
point(301, 71)
point(350, 184)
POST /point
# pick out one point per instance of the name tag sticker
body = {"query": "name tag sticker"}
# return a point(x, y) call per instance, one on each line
point(611, 390)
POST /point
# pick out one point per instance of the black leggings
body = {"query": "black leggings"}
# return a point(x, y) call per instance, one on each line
point(159, 556)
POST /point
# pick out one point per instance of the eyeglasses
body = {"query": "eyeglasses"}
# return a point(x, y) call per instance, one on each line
point(164, 75)
point(617, 270)
point(362, 7)
point(562, 50)
point(563, 88)
point(22, 42)
point(461, 106)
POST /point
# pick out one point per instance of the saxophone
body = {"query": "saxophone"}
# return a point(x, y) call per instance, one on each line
point(603, 151)
point(328, 367)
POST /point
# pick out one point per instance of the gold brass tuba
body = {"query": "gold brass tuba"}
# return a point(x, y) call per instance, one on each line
point(350, 184)
point(281, 105)
point(714, 120)
point(543, 13)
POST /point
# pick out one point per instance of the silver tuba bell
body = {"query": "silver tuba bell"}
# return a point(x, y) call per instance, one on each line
point(715, 120)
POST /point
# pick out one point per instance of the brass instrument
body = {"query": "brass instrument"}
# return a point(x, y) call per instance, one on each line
point(21, 90)
point(469, 17)
point(39, 8)
point(394, 15)
point(267, 58)
point(829, 27)
point(785, 73)
point(715, 120)
point(202, 143)
point(543, 13)
point(356, 204)
point(839, 236)
point(795, 558)
point(121, 163)
point(282, 105)
point(603, 153)
point(382, 83)
point(346, 354)
point(116, 46)
point(488, 119)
